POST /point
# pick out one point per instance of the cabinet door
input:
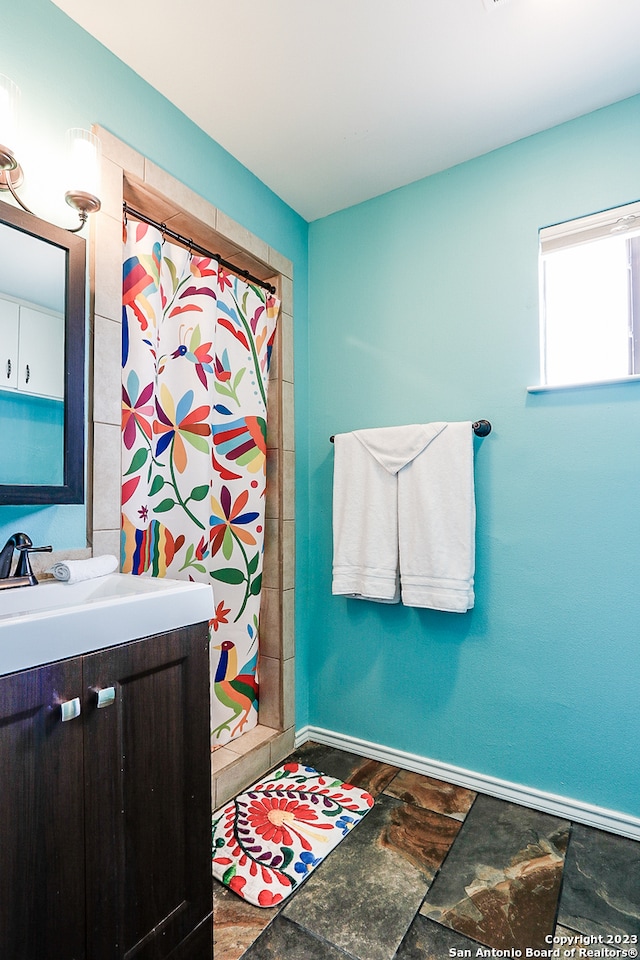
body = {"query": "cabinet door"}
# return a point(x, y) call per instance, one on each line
point(148, 796)
point(41, 816)
point(8, 344)
point(41, 353)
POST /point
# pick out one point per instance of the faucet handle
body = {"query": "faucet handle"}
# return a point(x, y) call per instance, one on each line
point(23, 567)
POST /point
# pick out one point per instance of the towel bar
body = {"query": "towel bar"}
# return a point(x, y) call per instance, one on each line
point(481, 428)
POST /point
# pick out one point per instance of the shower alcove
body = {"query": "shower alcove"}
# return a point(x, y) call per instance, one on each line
point(128, 175)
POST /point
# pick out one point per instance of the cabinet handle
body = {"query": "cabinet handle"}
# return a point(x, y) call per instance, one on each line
point(8, 369)
point(28, 375)
point(105, 697)
point(70, 709)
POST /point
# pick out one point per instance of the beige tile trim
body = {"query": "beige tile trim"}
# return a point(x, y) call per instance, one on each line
point(127, 173)
point(232, 772)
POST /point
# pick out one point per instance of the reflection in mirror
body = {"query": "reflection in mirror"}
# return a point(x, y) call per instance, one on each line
point(32, 353)
point(42, 271)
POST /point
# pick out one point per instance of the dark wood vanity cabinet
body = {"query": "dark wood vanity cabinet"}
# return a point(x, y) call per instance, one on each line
point(105, 818)
point(41, 816)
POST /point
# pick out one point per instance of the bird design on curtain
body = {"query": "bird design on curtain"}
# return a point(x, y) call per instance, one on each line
point(196, 348)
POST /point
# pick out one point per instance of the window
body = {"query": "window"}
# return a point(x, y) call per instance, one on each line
point(590, 298)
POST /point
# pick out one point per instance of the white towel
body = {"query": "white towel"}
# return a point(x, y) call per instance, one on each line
point(73, 571)
point(404, 515)
point(436, 522)
point(365, 529)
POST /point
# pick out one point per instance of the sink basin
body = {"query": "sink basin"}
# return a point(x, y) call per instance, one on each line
point(56, 620)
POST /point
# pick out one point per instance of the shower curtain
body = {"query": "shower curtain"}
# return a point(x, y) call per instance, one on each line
point(196, 344)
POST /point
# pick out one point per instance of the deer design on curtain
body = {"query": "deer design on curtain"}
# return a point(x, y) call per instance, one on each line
point(195, 359)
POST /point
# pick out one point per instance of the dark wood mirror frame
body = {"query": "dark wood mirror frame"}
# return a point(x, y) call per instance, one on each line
point(72, 488)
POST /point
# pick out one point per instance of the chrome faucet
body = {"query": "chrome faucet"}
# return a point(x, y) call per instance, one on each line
point(23, 575)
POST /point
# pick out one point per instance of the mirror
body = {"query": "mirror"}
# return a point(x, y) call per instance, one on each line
point(42, 330)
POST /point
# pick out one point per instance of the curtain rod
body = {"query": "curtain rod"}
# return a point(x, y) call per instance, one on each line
point(190, 245)
point(481, 428)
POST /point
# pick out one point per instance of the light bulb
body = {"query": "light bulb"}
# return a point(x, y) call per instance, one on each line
point(83, 170)
point(9, 102)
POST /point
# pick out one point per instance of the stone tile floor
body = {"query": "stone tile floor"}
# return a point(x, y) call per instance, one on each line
point(436, 871)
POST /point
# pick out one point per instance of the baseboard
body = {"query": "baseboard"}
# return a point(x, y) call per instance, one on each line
point(610, 820)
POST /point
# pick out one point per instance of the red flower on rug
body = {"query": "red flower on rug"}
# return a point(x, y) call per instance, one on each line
point(268, 899)
point(236, 884)
point(273, 817)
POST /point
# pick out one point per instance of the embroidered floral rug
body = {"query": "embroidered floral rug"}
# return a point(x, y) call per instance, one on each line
point(268, 840)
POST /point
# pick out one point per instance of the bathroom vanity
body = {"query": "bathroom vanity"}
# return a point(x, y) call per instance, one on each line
point(105, 819)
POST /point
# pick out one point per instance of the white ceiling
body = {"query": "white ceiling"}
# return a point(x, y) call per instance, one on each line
point(334, 102)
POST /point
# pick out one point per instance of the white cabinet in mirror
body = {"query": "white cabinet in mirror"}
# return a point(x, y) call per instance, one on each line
point(31, 349)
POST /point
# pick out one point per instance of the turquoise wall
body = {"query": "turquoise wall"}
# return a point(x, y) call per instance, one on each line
point(423, 306)
point(68, 79)
point(33, 430)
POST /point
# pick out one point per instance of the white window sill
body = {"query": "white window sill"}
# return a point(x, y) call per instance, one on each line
point(552, 387)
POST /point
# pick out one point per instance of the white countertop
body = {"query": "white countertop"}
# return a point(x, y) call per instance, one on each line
point(53, 620)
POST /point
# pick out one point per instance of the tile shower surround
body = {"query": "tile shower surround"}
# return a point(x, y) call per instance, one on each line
point(435, 871)
point(128, 175)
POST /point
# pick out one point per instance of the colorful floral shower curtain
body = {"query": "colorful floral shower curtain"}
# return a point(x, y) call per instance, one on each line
point(196, 348)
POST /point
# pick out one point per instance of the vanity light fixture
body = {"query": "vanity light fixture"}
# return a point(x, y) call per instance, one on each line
point(83, 163)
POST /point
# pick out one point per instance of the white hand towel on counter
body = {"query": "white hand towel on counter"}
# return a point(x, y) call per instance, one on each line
point(73, 571)
point(404, 515)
